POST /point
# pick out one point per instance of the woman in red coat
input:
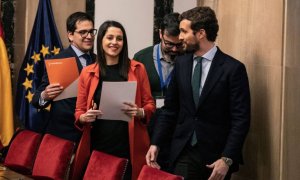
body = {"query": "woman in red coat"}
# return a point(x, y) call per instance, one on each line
point(120, 138)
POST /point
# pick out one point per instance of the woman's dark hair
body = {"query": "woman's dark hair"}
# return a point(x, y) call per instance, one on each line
point(124, 61)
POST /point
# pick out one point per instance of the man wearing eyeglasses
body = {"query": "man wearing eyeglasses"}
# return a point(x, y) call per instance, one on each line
point(159, 63)
point(208, 104)
point(81, 35)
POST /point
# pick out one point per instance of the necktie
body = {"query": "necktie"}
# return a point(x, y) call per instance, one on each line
point(88, 59)
point(196, 81)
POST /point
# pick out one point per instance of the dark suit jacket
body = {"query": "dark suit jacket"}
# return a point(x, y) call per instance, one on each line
point(61, 120)
point(145, 56)
point(222, 118)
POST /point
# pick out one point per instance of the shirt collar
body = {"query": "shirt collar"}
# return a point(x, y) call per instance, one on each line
point(158, 47)
point(160, 53)
point(209, 55)
point(77, 51)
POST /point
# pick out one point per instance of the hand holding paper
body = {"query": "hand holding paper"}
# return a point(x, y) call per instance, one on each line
point(65, 73)
point(132, 110)
point(52, 91)
point(90, 115)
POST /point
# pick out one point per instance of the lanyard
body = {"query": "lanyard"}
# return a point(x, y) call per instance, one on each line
point(163, 83)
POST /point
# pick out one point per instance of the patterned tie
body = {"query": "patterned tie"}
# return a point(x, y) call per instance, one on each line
point(88, 59)
point(196, 81)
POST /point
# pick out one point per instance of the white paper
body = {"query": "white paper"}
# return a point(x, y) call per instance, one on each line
point(160, 102)
point(113, 95)
point(68, 92)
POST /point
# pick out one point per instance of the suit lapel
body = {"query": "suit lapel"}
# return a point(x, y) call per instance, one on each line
point(73, 54)
point(213, 76)
point(187, 69)
point(94, 74)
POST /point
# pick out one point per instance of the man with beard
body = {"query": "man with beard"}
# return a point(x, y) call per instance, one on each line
point(81, 35)
point(207, 102)
point(159, 63)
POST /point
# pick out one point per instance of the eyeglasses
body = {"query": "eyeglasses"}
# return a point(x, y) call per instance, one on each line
point(171, 45)
point(85, 33)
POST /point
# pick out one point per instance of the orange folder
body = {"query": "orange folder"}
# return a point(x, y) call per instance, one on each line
point(62, 71)
point(65, 72)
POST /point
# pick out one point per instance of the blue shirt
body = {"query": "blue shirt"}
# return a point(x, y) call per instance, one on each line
point(206, 63)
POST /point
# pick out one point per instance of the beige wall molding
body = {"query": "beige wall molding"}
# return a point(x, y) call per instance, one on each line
point(211, 3)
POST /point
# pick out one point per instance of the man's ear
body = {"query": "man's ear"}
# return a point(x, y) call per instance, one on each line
point(200, 34)
point(160, 34)
point(70, 36)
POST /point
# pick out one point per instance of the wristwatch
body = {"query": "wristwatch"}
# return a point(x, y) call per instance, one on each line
point(227, 161)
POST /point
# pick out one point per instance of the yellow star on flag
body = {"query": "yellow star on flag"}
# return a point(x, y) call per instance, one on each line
point(29, 69)
point(48, 108)
point(27, 84)
point(36, 57)
point(29, 96)
point(44, 50)
point(55, 50)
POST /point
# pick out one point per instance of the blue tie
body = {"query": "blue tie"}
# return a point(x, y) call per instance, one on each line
point(88, 59)
point(196, 82)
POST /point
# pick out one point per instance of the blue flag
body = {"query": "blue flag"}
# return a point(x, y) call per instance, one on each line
point(44, 42)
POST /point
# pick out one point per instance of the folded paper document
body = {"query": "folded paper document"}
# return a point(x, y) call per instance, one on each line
point(65, 72)
point(113, 95)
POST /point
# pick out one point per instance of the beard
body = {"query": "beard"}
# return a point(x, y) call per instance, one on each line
point(191, 48)
point(171, 55)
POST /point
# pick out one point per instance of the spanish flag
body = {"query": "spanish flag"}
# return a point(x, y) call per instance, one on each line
point(6, 105)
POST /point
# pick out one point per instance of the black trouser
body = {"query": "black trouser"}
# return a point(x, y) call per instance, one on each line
point(191, 165)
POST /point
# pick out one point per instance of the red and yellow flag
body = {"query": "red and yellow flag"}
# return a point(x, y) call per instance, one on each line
point(6, 105)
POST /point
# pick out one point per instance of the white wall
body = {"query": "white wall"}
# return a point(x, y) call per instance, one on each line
point(184, 5)
point(135, 15)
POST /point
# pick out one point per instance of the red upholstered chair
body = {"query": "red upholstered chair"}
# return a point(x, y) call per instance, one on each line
point(103, 166)
point(22, 151)
point(149, 173)
point(53, 158)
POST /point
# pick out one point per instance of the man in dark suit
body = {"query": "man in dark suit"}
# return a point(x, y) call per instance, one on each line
point(208, 103)
point(81, 35)
point(159, 64)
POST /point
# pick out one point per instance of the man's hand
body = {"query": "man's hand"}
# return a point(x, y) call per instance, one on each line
point(220, 169)
point(51, 92)
point(151, 156)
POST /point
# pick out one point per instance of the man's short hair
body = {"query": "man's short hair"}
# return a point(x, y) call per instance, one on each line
point(77, 17)
point(202, 18)
point(170, 24)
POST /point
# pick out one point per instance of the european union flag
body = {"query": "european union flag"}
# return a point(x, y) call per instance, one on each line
point(44, 42)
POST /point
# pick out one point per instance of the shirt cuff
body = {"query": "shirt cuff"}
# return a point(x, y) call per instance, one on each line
point(42, 102)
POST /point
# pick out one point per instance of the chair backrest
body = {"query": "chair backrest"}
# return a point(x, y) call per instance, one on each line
point(82, 155)
point(103, 166)
point(149, 173)
point(22, 151)
point(53, 157)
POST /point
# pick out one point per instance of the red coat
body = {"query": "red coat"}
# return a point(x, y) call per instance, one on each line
point(138, 136)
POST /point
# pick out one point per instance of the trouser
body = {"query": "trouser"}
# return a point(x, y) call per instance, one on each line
point(191, 165)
